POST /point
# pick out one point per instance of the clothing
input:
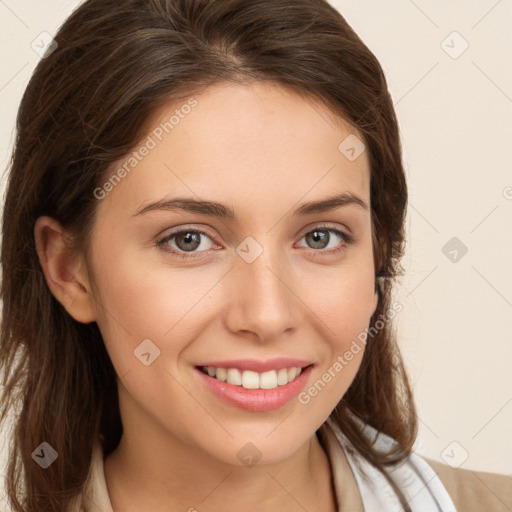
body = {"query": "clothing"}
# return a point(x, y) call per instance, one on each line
point(359, 487)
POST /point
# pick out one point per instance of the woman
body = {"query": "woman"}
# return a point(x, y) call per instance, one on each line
point(256, 369)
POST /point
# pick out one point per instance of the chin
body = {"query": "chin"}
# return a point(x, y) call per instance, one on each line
point(260, 448)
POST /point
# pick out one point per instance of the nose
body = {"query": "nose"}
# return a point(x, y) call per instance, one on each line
point(264, 300)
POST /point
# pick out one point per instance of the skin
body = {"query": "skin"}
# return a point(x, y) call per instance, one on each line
point(263, 151)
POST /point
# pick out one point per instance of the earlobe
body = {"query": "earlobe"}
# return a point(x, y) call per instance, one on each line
point(63, 270)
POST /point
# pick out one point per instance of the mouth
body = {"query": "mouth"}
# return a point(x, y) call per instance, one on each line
point(249, 379)
point(254, 391)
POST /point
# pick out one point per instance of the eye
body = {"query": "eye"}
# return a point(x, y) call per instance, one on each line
point(185, 242)
point(321, 236)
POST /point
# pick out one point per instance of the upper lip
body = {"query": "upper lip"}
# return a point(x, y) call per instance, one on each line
point(259, 366)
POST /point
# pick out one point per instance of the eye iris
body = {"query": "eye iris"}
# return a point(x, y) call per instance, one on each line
point(319, 236)
point(188, 236)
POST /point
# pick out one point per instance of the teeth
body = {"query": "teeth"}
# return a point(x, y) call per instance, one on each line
point(282, 377)
point(234, 377)
point(250, 380)
point(268, 380)
point(254, 380)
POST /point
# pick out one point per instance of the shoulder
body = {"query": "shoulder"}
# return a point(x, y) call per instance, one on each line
point(425, 483)
point(475, 491)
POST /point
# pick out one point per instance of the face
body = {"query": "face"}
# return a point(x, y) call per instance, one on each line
point(182, 288)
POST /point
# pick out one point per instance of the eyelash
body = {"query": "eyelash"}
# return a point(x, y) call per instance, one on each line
point(345, 237)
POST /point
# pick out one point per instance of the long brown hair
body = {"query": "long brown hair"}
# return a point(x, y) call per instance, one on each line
point(84, 108)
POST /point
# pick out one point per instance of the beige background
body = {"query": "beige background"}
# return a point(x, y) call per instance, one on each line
point(455, 114)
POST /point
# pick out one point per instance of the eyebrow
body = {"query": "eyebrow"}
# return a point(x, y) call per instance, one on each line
point(219, 210)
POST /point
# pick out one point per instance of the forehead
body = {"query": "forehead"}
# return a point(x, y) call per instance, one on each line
point(252, 141)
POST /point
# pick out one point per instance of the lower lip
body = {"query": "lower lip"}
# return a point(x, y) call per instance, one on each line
point(256, 400)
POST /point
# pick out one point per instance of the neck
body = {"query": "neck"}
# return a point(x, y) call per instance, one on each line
point(152, 469)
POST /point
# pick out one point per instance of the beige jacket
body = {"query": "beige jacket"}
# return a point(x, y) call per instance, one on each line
point(365, 490)
point(475, 491)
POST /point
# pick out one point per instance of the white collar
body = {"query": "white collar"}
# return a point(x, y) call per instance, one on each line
point(422, 488)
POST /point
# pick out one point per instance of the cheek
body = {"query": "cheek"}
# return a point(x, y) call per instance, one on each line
point(142, 300)
point(343, 298)
point(343, 303)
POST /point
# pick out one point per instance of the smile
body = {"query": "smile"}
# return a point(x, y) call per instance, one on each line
point(249, 379)
point(251, 390)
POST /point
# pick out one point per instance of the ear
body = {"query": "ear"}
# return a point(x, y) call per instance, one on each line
point(63, 271)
